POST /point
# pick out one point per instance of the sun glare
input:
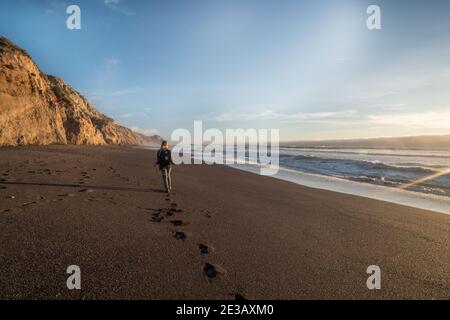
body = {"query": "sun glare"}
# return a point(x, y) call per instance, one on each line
point(430, 177)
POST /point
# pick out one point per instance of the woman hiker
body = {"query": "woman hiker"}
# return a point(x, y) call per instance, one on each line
point(164, 160)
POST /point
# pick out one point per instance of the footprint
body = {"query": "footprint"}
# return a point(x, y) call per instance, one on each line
point(157, 216)
point(179, 223)
point(71, 195)
point(180, 235)
point(157, 219)
point(213, 271)
point(28, 203)
point(204, 249)
point(207, 213)
point(238, 296)
point(172, 211)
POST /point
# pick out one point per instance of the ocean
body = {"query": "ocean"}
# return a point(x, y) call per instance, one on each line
point(415, 170)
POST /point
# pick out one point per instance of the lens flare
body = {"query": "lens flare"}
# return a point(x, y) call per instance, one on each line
point(424, 179)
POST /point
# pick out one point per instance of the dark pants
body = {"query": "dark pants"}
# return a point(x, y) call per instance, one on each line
point(167, 178)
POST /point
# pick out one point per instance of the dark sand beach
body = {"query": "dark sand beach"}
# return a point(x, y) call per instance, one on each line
point(102, 208)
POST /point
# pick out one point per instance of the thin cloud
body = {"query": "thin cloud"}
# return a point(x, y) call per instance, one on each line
point(116, 6)
point(145, 131)
point(426, 119)
point(111, 2)
point(108, 70)
point(300, 117)
point(132, 115)
point(115, 93)
point(112, 64)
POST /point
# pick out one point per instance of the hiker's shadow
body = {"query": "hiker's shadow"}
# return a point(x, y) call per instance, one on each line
point(84, 186)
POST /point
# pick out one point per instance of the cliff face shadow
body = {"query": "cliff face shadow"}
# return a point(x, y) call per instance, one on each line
point(84, 186)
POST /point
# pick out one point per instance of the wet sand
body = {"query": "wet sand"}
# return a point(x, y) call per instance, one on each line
point(223, 234)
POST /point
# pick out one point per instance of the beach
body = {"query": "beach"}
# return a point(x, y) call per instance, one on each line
point(222, 234)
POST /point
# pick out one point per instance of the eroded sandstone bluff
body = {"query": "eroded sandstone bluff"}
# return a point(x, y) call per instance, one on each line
point(40, 109)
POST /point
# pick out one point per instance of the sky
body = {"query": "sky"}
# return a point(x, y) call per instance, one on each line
point(311, 69)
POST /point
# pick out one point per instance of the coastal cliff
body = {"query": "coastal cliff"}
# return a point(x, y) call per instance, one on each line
point(39, 109)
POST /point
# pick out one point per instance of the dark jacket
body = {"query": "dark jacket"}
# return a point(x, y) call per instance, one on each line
point(164, 158)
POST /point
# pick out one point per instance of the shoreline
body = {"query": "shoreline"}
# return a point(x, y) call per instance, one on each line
point(432, 202)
